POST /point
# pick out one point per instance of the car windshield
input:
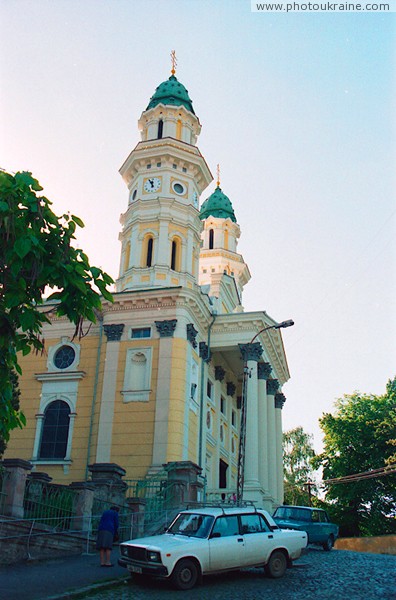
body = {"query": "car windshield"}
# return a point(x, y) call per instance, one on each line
point(192, 525)
point(292, 514)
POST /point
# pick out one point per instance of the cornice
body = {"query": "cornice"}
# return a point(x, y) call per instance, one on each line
point(60, 376)
point(250, 323)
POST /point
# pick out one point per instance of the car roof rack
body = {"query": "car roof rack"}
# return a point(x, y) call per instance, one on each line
point(222, 505)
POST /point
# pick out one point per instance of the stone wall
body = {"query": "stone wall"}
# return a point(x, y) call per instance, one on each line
point(384, 544)
point(26, 543)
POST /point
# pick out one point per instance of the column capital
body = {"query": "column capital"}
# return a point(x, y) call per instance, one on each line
point(166, 328)
point(264, 370)
point(272, 386)
point(204, 351)
point(231, 387)
point(219, 373)
point(191, 334)
point(280, 399)
point(251, 351)
point(113, 332)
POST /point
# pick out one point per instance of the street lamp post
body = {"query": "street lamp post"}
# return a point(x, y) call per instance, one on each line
point(242, 437)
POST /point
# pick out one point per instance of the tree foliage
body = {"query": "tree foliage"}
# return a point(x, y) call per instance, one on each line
point(361, 437)
point(36, 251)
point(298, 453)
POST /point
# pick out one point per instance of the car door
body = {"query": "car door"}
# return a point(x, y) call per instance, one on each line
point(258, 539)
point(226, 545)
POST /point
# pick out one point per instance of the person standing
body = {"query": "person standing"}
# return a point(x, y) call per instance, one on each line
point(107, 532)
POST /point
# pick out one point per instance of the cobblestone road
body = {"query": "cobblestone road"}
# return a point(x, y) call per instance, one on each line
point(335, 575)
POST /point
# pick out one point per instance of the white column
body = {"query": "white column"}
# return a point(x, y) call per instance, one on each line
point(264, 369)
point(161, 423)
point(251, 353)
point(106, 415)
point(279, 402)
point(272, 386)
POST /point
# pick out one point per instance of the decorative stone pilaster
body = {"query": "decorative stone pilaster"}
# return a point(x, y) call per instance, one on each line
point(264, 370)
point(251, 351)
point(280, 399)
point(113, 332)
point(219, 373)
point(14, 488)
point(272, 386)
point(83, 503)
point(204, 351)
point(108, 393)
point(191, 334)
point(231, 387)
point(166, 328)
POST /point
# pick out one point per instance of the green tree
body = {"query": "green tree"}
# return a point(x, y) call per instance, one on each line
point(360, 438)
point(298, 453)
point(16, 392)
point(36, 251)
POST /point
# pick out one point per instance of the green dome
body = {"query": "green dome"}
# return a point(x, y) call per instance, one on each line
point(171, 92)
point(217, 205)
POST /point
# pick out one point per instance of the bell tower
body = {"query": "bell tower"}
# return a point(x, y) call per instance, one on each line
point(219, 259)
point(165, 175)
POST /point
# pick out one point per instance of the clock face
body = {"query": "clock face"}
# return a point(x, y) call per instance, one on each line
point(152, 185)
point(195, 199)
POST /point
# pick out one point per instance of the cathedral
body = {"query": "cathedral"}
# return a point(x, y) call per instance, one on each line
point(164, 372)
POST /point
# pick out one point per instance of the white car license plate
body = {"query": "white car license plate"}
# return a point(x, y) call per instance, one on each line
point(135, 569)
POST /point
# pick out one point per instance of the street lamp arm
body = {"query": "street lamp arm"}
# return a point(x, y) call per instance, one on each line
point(282, 325)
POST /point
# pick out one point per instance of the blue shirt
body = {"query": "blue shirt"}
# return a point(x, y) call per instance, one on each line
point(109, 521)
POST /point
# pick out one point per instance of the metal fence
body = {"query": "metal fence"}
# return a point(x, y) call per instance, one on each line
point(50, 504)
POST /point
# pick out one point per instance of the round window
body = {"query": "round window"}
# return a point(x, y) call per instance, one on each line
point(64, 357)
point(179, 188)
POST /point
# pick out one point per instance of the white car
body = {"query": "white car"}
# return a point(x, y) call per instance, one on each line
point(211, 540)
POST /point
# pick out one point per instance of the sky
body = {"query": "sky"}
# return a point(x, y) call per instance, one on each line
point(298, 110)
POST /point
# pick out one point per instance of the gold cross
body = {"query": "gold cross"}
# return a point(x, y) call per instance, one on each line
point(218, 175)
point(174, 61)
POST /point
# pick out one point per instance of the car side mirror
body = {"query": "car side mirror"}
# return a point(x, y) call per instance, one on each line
point(216, 534)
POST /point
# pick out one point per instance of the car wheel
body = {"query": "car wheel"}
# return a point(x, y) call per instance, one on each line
point(276, 565)
point(329, 543)
point(185, 574)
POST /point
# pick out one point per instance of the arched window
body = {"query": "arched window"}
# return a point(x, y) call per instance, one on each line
point(55, 431)
point(211, 239)
point(174, 255)
point(149, 256)
point(160, 128)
